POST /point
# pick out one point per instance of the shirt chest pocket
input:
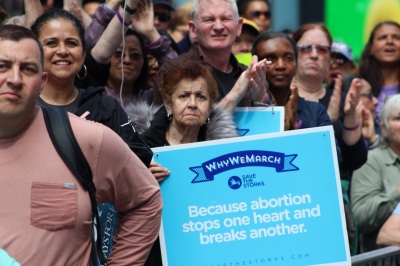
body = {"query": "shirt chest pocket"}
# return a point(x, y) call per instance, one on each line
point(54, 206)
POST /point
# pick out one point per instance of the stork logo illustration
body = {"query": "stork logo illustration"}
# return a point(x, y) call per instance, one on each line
point(234, 182)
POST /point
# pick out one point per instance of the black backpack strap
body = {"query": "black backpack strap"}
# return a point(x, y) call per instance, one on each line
point(64, 141)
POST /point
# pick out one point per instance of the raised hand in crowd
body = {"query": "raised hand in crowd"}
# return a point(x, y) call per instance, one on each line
point(291, 121)
point(367, 124)
point(251, 86)
point(33, 9)
point(112, 35)
point(351, 122)
point(334, 102)
point(143, 21)
point(258, 81)
point(75, 7)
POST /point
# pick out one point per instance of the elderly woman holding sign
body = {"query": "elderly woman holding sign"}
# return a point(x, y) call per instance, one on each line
point(189, 91)
point(189, 114)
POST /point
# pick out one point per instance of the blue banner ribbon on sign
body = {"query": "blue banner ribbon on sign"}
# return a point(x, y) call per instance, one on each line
point(278, 160)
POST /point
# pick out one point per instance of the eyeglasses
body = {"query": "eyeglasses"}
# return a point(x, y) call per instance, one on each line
point(163, 17)
point(132, 55)
point(257, 13)
point(369, 95)
point(321, 49)
point(338, 60)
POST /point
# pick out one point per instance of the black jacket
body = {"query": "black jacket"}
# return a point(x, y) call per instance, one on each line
point(220, 126)
point(107, 111)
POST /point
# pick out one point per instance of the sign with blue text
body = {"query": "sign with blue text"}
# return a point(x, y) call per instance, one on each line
point(269, 199)
point(259, 120)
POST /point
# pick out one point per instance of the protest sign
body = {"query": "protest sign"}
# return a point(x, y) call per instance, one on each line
point(271, 199)
point(259, 120)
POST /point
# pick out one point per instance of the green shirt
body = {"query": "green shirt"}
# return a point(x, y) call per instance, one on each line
point(374, 193)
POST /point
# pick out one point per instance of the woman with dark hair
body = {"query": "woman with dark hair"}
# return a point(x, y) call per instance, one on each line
point(380, 61)
point(63, 38)
point(149, 49)
point(129, 71)
point(281, 50)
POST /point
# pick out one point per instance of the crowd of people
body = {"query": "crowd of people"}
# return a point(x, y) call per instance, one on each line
point(151, 75)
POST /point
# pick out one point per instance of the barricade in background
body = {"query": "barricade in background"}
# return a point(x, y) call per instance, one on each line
point(380, 257)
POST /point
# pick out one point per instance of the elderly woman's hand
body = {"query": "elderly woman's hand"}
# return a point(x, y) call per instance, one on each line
point(159, 172)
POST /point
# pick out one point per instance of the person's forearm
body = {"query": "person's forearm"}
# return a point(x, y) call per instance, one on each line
point(111, 37)
point(229, 102)
point(388, 238)
point(351, 129)
point(152, 35)
point(161, 49)
point(113, 4)
point(87, 19)
point(33, 9)
point(102, 17)
point(389, 234)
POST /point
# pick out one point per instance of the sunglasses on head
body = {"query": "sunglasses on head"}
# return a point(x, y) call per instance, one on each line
point(163, 17)
point(321, 49)
point(256, 13)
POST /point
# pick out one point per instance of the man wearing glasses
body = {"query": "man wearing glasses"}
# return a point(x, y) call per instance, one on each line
point(162, 13)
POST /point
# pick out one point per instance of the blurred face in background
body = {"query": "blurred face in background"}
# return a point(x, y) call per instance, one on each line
point(244, 42)
point(178, 27)
point(162, 16)
point(153, 70)
point(132, 61)
point(260, 13)
point(339, 64)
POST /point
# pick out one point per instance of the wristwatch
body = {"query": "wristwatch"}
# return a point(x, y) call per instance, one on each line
point(127, 8)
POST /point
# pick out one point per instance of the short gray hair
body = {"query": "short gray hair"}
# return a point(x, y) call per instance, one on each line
point(195, 8)
point(392, 103)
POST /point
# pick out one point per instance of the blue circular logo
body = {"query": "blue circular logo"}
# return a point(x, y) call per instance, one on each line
point(234, 182)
